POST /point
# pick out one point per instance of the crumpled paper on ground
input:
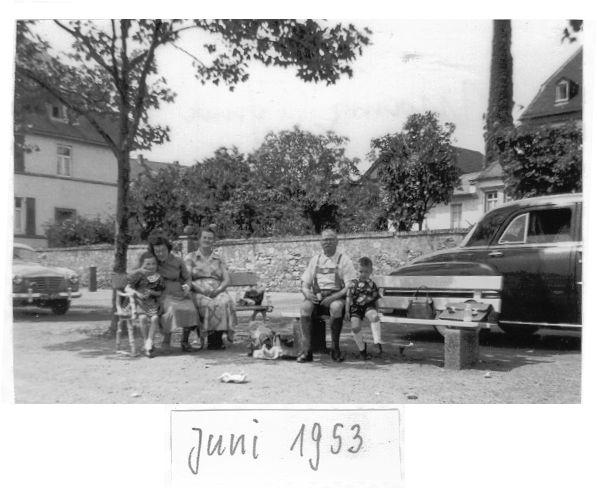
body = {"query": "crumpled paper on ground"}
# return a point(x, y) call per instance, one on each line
point(233, 378)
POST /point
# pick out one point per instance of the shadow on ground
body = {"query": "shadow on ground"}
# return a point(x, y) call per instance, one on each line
point(499, 352)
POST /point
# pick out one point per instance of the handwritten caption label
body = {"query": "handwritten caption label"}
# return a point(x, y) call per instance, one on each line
point(221, 447)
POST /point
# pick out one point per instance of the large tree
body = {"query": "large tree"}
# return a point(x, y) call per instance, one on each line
point(417, 168)
point(499, 110)
point(110, 75)
point(296, 168)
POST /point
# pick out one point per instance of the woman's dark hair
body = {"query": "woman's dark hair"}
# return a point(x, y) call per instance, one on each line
point(158, 239)
point(146, 255)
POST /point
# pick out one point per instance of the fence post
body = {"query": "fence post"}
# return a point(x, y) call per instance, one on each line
point(92, 278)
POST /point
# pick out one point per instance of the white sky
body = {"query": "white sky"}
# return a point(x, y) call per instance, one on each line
point(446, 70)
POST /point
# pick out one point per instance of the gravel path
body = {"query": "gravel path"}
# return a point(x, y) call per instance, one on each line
point(70, 359)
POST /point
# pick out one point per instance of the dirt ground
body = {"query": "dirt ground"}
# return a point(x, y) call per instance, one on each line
point(71, 359)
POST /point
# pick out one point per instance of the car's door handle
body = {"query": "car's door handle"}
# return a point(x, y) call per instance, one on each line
point(495, 254)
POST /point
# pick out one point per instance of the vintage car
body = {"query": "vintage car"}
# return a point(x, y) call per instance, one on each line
point(535, 245)
point(44, 286)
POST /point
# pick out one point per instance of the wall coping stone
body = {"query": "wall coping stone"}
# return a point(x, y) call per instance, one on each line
point(273, 240)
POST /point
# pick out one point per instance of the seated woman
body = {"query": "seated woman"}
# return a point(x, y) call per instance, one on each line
point(177, 307)
point(210, 279)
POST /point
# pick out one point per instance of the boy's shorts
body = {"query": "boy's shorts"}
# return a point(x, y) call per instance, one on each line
point(360, 310)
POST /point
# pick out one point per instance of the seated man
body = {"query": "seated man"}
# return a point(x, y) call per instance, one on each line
point(324, 286)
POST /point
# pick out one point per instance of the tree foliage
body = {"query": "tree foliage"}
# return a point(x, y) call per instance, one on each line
point(110, 75)
point(499, 110)
point(572, 29)
point(295, 183)
point(542, 160)
point(296, 168)
point(417, 168)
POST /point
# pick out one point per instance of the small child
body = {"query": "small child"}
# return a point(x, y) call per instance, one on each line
point(361, 302)
point(146, 285)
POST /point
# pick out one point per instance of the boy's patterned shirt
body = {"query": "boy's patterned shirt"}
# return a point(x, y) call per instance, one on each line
point(363, 292)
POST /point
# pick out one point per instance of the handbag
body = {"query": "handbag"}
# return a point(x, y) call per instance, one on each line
point(470, 311)
point(420, 307)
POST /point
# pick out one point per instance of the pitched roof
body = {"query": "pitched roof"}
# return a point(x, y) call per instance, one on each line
point(138, 163)
point(493, 171)
point(544, 103)
point(82, 131)
point(467, 161)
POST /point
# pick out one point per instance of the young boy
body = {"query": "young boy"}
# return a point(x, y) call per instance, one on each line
point(146, 285)
point(361, 302)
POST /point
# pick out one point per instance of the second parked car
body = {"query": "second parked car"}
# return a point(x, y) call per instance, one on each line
point(536, 245)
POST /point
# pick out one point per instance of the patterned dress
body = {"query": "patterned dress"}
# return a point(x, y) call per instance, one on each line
point(178, 310)
point(207, 273)
point(364, 295)
point(143, 283)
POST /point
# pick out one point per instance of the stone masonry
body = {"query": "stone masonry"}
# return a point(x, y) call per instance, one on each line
point(279, 262)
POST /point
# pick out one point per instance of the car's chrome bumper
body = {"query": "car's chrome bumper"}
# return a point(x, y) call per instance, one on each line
point(30, 295)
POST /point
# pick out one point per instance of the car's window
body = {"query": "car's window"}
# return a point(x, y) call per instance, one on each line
point(515, 233)
point(550, 225)
point(487, 227)
point(24, 254)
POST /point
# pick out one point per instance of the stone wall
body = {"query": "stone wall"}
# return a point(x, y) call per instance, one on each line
point(279, 262)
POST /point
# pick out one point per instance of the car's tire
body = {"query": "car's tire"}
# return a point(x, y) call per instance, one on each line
point(519, 330)
point(60, 307)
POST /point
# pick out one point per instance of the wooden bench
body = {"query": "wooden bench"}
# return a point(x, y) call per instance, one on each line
point(461, 339)
point(245, 279)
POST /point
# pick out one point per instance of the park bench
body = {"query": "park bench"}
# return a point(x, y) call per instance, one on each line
point(461, 338)
point(245, 279)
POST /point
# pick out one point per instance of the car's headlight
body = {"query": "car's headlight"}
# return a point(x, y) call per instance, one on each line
point(73, 278)
point(17, 280)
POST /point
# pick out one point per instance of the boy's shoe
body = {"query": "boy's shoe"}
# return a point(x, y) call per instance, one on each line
point(379, 350)
point(338, 355)
point(305, 358)
point(148, 353)
point(365, 356)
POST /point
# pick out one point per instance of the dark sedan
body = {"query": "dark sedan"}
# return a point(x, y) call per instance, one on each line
point(536, 245)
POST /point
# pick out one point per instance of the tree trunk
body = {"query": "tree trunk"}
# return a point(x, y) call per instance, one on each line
point(121, 238)
point(499, 110)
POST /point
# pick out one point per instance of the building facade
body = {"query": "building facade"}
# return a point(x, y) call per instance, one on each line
point(62, 169)
point(558, 101)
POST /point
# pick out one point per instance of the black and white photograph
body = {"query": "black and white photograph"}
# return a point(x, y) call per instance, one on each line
point(377, 210)
point(346, 248)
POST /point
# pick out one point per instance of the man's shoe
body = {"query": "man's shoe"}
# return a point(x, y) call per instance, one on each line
point(338, 355)
point(305, 358)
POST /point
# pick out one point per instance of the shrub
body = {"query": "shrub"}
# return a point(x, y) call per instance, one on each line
point(80, 231)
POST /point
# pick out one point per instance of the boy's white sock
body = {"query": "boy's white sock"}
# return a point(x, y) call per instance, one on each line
point(376, 332)
point(358, 338)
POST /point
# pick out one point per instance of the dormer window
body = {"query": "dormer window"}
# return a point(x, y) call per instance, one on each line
point(563, 91)
point(58, 112)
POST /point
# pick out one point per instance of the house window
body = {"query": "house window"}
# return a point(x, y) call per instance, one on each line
point(62, 214)
point(64, 160)
point(562, 91)
point(491, 200)
point(456, 216)
point(19, 215)
point(58, 112)
point(24, 223)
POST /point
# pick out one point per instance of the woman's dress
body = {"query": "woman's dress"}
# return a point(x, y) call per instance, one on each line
point(207, 273)
point(178, 310)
